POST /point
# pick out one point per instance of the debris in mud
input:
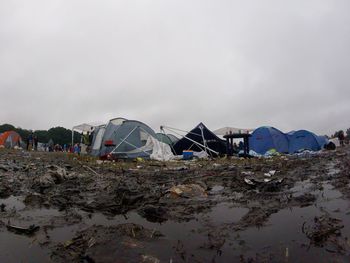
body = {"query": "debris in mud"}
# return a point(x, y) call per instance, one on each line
point(189, 190)
point(264, 184)
point(324, 231)
point(23, 230)
point(91, 244)
point(149, 259)
point(304, 200)
point(256, 216)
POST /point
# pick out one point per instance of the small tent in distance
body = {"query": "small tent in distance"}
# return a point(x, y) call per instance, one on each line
point(10, 139)
point(200, 138)
point(266, 138)
point(305, 140)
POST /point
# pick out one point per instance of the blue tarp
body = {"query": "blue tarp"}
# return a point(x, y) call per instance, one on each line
point(266, 138)
point(305, 140)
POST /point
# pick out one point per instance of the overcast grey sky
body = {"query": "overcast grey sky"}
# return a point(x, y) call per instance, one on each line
point(226, 63)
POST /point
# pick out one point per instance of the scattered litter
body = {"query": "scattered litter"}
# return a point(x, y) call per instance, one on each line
point(23, 230)
point(189, 190)
point(270, 173)
point(149, 259)
point(247, 173)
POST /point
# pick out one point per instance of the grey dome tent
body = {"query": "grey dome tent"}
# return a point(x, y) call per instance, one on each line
point(123, 138)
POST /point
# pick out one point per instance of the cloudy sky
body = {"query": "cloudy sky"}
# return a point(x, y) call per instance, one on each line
point(176, 62)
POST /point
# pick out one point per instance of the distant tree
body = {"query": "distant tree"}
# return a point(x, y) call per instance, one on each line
point(23, 133)
point(335, 135)
point(6, 127)
point(43, 136)
point(62, 135)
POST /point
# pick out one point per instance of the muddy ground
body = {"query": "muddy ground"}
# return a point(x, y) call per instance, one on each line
point(63, 208)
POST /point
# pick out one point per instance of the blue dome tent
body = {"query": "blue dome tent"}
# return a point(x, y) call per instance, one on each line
point(305, 140)
point(266, 138)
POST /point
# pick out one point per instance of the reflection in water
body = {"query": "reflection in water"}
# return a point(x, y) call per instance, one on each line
point(209, 236)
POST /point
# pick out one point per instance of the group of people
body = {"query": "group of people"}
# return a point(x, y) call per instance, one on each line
point(32, 143)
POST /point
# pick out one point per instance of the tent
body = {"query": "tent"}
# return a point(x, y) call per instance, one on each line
point(200, 138)
point(266, 138)
point(167, 138)
point(10, 139)
point(122, 138)
point(305, 140)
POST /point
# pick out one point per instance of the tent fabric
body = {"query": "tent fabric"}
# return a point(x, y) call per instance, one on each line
point(172, 137)
point(266, 138)
point(210, 140)
point(10, 139)
point(231, 130)
point(123, 139)
point(166, 138)
point(160, 151)
point(305, 140)
point(97, 140)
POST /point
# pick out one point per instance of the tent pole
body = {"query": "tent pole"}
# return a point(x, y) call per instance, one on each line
point(135, 148)
point(204, 142)
point(127, 136)
point(171, 145)
point(72, 136)
point(170, 128)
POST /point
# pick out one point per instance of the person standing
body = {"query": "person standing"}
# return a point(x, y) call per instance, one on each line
point(35, 141)
point(30, 141)
point(341, 138)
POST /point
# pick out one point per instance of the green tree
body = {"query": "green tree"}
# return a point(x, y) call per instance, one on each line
point(43, 136)
point(6, 127)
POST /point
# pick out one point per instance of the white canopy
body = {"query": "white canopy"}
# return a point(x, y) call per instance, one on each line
point(228, 130)
point(85, 127)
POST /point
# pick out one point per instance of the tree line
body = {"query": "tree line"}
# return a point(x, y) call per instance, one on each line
point(59, 135)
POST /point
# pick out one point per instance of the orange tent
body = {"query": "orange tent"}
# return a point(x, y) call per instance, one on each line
point(10, 139)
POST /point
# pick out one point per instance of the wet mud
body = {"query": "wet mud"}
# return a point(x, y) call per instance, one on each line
point(64, 208)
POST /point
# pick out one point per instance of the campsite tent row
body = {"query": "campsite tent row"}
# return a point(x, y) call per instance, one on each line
point(124, 138)
point(131, 139)
point(266, 138)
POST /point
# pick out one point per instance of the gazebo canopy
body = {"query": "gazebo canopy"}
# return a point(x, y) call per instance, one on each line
point(228, 130)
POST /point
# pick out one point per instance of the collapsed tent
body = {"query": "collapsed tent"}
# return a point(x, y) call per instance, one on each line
point(167, 138)
point(10, 139)
point(305, 140)
point(200, 139)
point(266, 138)
point(122, 138)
